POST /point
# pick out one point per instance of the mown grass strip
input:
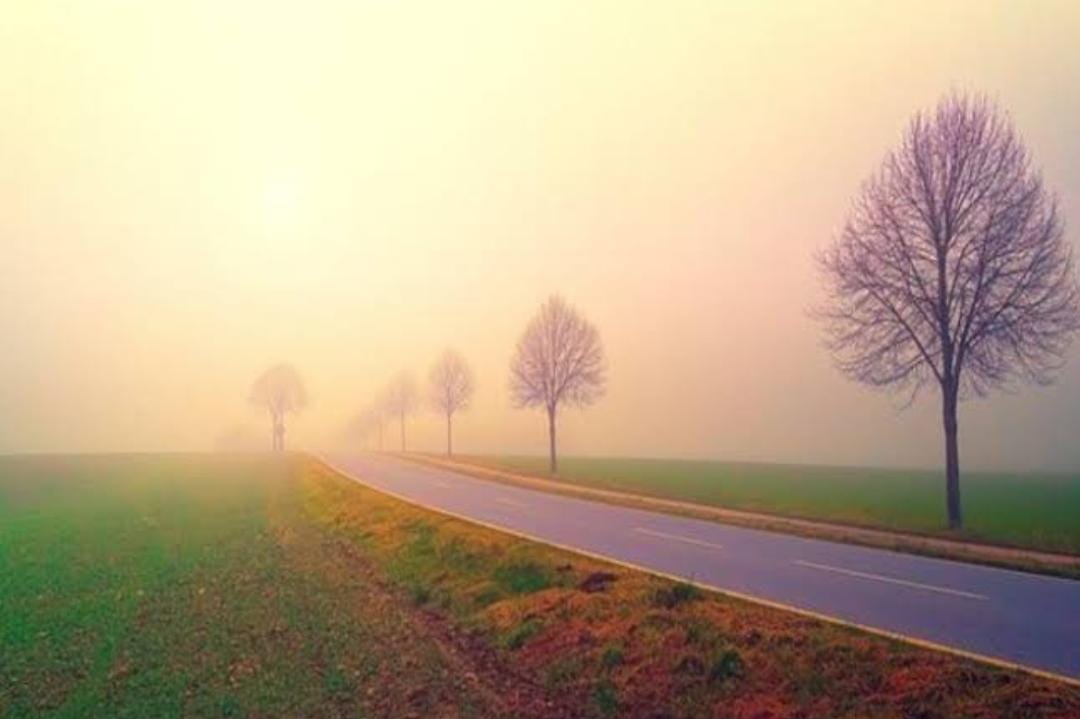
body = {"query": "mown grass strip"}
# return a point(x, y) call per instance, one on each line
point(1036, 510)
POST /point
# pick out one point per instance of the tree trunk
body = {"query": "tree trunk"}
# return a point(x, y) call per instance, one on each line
point(553, 460)
point(952, 456)
point(449, 437)
point(278, 430)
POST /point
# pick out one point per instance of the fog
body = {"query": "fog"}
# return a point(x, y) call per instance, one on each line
point(192, 192)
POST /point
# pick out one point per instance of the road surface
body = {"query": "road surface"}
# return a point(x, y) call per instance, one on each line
point(1010, 616)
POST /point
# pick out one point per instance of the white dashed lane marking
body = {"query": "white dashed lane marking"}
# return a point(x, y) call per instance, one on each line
point(891, 580)
point(676, 537)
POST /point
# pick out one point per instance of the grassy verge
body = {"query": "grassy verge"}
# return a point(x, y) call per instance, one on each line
point(209, 586)
point(607, 641)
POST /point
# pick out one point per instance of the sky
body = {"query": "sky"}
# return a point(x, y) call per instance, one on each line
point(193, 191)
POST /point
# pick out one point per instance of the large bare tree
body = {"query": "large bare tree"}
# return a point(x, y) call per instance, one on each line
point(401, 400)
point(952, 269)
point(280, 391)
point(559, 359)
point(451, 389)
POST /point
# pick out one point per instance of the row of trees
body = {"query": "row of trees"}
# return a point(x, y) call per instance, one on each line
point(559, 361)
point(450, 390)
point(952, 271)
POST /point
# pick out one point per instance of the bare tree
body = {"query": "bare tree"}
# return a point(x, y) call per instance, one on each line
point(952, 269)
point(280, 391)
point(451, 390)
point(559, 359)
point(401, 400)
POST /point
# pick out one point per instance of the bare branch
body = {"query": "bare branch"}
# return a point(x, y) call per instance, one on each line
point(953, 264)
point(400, 398)
point(559, 359)
point(451, 383)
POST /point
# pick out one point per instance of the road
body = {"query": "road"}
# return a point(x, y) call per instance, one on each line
point(1000, 614)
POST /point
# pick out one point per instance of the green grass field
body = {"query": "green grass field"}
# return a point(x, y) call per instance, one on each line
point(1040, 511)
point(160, 586)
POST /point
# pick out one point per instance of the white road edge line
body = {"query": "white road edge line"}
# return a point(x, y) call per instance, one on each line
point(892, 580)
point(676, 537)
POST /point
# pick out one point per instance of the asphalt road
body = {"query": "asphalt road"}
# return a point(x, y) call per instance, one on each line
point(1012, 616)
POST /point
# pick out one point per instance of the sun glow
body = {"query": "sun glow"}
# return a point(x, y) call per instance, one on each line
point(282, 202)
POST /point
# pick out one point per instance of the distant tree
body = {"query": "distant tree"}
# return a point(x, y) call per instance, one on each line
point(952, 269)
point(373, 422)
point(451, 389)
point(280, 391)
point(401, 400)
point(559, 359)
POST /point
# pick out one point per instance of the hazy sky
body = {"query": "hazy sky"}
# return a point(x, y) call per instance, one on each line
point(192, 191)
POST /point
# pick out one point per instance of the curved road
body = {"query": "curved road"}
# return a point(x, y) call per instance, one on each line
point(1010, 616)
